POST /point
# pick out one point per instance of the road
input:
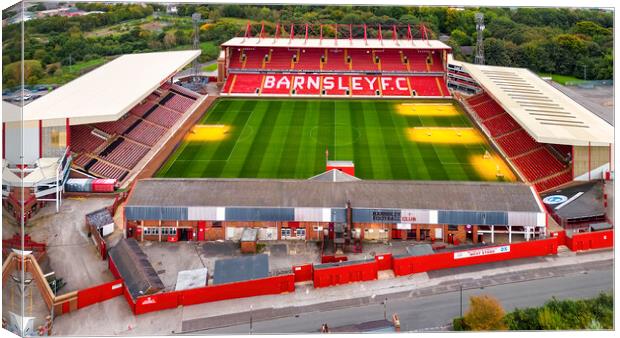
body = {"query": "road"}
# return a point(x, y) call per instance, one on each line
point(436, 311)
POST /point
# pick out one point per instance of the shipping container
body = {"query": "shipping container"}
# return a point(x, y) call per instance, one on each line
point(103, 185)
point(90, 185)
point(79, 185)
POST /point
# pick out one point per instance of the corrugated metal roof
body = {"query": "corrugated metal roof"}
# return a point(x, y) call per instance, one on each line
point(135, 268)
point(546, 113)
point(335, 43)
point(108, 92)
point(241, 269)
point(434, 195)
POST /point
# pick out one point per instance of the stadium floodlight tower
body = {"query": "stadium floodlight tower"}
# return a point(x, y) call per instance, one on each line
point(195, 65)
point(479, 60)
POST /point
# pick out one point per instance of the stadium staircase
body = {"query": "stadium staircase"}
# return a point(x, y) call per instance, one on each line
point(113, 149)
point(539, 164)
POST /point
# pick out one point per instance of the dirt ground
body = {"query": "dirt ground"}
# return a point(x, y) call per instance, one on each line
point(170, 258)
point(70, 252)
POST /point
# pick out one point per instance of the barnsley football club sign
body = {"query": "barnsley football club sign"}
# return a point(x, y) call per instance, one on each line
point(482, 252)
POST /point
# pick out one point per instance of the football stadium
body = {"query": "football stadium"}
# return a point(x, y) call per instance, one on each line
point(388, 153)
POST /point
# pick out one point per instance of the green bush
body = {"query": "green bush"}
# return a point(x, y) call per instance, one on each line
point(458, 324)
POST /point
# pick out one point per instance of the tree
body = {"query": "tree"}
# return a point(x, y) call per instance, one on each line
point(170, 40)
point(485, 313)
point(499, 52)
point(11, 73)
point(460, 37)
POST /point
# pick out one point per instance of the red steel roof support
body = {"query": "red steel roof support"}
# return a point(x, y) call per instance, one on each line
point(248, 30)
point(306, 32)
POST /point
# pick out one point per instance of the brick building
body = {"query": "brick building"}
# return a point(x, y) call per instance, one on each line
point(219, 209)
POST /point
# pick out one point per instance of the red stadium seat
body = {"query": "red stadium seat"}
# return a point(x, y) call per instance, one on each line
point(83, 139)
point(391, 60)
point(277, 84)
point(309, 59)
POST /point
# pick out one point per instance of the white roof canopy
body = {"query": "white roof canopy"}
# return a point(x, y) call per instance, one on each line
point(546, 113)
point(335, 43)
point(108, 92)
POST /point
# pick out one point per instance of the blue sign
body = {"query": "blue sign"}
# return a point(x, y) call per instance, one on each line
point(555, 199)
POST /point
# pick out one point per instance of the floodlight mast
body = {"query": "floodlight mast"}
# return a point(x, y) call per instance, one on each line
point(195, 65)
point(479, 59)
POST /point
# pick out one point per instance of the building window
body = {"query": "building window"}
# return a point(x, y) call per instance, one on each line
point(168, 231)
point(216, 224)
point(151, 231)
point(300, 232)
point(453, 227)
point(286, 232)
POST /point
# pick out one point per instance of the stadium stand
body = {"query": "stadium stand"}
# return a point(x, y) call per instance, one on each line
point(177, 102)
point(335, 60)
point(146, 133)
point(124, 153)
point(429, 86)
point(391, 60)
point(280, 61)
point(249, 67)
point(85, 140)
point(362, 60)
point(164, 117)
point(313, 86)
point(119, 126)
point(104, 169)
point(245, 83)
point(278, 87)
point(112, 149)
point(309, 60)
point(499, 125)
point(544, 166)
point(142, 109)
point(254, 58)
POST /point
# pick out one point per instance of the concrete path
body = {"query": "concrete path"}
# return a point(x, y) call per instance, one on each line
point(433, 312)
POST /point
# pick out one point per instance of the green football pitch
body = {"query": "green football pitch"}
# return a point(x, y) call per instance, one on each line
point(289, 138)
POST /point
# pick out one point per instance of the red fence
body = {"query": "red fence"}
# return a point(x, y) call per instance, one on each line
point(344, 274)
point(333, 259)
point(303, 272)
point(591, 240)
point(409, 265)
point(384, 261)
point(213, 293)
point(99, 293)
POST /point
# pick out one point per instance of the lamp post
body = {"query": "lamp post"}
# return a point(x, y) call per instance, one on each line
point(461, 288)
point(250, 319)
point(385, 309)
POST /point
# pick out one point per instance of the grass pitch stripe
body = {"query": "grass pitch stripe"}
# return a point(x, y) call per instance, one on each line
point(361, 150)
point(307, 156)
point(380, 162)
point(393, 149)
point(344, 136)
point(260, 142)
point(290, 148)
point(325, 135)
point(277, 142)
